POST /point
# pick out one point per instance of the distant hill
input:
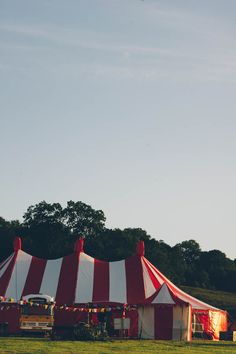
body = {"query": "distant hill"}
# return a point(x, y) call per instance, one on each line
point(221, 299)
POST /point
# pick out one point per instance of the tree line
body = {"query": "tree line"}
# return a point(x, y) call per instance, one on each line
point(50, 231)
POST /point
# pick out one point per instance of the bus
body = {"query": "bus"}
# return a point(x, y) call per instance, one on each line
point(37, 314)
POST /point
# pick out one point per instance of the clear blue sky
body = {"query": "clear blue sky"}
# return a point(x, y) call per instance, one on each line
point(126, 105)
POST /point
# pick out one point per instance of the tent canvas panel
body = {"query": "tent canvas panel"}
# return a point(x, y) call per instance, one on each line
point(210, 322)
point(165, 322)
point(146, 322)
point(182, 323)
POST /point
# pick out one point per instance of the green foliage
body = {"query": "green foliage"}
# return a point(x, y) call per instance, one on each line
point(159, 254)
point(49, 230)
point(190, 251)
point(83, 220)
point(113, 245)
point(84, 332)
point(43, 213)
point(8, 231)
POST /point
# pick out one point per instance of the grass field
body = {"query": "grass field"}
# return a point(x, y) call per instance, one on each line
point(40, 346)
point(219, 299)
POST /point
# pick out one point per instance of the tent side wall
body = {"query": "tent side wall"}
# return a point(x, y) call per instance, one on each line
point(212, 322)
point(218, 323)
point(165, 322)
point(146, 326)
point(10, 316)
point(182, 323)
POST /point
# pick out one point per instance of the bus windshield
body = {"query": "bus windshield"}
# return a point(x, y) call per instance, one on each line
point(37, 309)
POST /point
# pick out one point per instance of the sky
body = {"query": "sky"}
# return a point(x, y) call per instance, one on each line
point(128, 106)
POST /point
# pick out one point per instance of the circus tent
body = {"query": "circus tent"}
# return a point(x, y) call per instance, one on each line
point(80, 279)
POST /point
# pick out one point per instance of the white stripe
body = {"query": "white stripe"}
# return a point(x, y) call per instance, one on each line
point(149, 288)
point(19, 275)
point(181, 323)
point(84, 286)
point(7, 262)
point(51, 276)
point(117, 276)
point(146, 325)
point(154, 272)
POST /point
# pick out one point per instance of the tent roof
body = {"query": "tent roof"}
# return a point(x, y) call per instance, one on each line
point(165, 296)
point(159, 279)
point(79, 278)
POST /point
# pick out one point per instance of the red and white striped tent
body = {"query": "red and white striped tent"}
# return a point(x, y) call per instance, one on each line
point(79, 279)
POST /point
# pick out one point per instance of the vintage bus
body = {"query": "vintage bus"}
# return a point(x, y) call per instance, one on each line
point(37, 314)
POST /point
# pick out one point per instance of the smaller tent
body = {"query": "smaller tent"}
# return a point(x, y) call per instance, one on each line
point(165, 316)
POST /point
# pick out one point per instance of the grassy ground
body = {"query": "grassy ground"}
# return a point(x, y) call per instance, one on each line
point(41, 346)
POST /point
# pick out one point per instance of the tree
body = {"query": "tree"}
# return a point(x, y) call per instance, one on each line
point(43, 213)
point(178, 266)
point(83, 220)
point(159, 254)
point(50, 231)
point(185, 258)
point(190, 251)
point(220, 269)
point(8, 231)
point(116, 244)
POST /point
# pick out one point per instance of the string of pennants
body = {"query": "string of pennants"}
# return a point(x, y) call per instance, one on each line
point(10, 303)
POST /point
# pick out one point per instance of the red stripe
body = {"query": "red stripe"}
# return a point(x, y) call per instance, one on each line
point(101, 281)
point(134, 280)
point(67, 280)
point(5, 279)
point(163, 322)
point(35, 276)
point(154, 280)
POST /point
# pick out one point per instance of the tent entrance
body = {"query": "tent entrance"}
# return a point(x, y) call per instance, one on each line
point(163, 316)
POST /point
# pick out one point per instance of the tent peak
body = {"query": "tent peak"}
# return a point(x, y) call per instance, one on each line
point(79, 245)
point(140, 248)
point(17, 244)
